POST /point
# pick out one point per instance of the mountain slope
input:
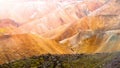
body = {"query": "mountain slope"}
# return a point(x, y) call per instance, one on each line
point(96, 34)
point(8, 26)
point(13, 47)
point(88, 23)
point(98, 43)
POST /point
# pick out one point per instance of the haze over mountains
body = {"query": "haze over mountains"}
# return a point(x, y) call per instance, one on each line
point(58, 27)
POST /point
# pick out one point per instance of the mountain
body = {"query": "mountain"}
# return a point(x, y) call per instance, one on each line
point(72, 28)
point(13, 47)
point(8, 26)
point(88, 23)
point(66, 13)
point(29, 14)
point(7, 22)
point(61, 27)
point(24, 11)
point(96, 33)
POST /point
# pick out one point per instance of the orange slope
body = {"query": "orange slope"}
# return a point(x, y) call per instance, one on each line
point(13, 47)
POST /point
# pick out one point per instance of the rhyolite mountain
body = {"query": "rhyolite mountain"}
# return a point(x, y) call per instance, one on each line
point(61, 27)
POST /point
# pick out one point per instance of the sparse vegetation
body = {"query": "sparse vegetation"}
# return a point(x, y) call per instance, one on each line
point(62, 61)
